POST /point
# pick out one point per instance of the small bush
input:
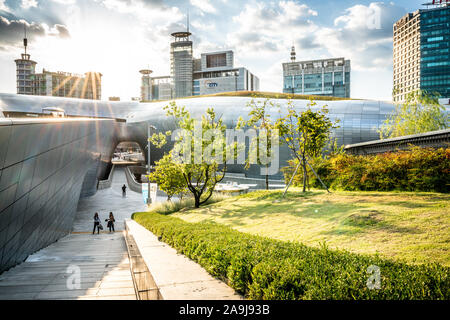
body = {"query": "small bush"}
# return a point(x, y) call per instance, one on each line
point(418, 169)
point(170, 207)
point(262, 268)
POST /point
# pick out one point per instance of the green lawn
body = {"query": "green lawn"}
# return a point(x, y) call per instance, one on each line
point(407, 226)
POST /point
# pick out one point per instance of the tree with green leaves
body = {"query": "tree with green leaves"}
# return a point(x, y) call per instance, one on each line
point(260, 120)
point(200, 152)
point(168, 176)
point(421, 112)
point(305, 133)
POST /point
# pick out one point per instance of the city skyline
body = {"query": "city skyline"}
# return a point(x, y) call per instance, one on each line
point(119, 38)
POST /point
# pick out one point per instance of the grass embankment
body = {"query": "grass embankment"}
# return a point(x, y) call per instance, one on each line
point(407, 226)
point(263, 268)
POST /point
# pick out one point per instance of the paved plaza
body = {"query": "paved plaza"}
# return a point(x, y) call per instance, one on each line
point(102, 259)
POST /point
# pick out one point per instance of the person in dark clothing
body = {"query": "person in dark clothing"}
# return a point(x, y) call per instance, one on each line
point(111, 221)
point(96, 223)
point(124, 190)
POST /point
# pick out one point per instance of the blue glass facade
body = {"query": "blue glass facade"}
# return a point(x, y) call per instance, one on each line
point(435, 51)
point(329, 77)
point(313, 84)
point(196, 91)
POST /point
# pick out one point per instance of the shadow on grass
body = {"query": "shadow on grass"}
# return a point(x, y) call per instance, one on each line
point(407, 204)
point(366, 221)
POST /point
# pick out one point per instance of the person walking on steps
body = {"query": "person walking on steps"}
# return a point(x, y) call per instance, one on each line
point(96, 223)
point(124, 191)
point(111, 221)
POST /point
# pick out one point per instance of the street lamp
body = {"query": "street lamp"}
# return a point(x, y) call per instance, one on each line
point(149, 126)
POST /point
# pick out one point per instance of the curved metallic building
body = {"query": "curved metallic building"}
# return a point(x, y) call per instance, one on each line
point(46, 165)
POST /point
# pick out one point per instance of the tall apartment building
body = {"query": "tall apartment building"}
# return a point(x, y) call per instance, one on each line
point(64, 84)
point(57, 84)
point(326, 77)
point(422, 51)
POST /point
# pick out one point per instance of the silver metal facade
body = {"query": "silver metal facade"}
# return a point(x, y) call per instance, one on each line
point(43, 166)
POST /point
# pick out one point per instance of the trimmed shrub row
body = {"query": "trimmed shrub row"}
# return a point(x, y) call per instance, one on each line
point(418, 169)
point(262, 268)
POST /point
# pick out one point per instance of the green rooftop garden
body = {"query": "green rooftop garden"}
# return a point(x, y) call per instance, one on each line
point(267, 95)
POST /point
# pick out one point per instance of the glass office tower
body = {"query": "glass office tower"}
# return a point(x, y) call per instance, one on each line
point(327, 77)
point(421, 52)
point(435, 47)
point(181, 64)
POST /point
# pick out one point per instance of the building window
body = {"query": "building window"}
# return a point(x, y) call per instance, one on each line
point(216, 60)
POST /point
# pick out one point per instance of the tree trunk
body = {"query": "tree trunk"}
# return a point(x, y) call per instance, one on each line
point(197, 201)
point(304, 173)
point(267, 177)
point(307, 182)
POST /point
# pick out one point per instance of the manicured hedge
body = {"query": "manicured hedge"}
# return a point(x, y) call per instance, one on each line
point(418, 169)
point(262, 268)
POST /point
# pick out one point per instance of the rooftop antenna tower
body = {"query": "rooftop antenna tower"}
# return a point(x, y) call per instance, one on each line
point(187, 22)
point(25, 40)
point(25, 56)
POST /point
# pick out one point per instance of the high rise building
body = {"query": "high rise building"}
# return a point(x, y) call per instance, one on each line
point(422, 51)
point(146, 85)
point(181, 64)
point(64, 84)
point(162, 88)
point(25, 68)
point(214, 72)
point(155, 88)
point(57, 84)
point(326, 77)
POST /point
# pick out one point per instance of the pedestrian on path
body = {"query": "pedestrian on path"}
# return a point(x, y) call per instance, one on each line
point(111, 221)
point(124, 191)
point(96, 223)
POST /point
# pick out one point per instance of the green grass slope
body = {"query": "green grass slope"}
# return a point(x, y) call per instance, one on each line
point(410, 227)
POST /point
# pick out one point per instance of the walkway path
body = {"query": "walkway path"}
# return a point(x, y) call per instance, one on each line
point(100, 260)
point(177, 277)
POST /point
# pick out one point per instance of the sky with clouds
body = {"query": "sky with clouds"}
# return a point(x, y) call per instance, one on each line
point(120, 37)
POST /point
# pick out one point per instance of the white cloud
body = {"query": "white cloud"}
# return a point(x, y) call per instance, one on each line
point(3, 6)
point(203, 26)
point(11, 31)
point(363, 34)
point(149, 12)
point(26, 4)
point(65, 2)
point(271, 27)
point(204, 5)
